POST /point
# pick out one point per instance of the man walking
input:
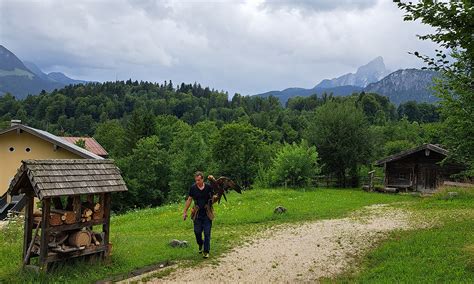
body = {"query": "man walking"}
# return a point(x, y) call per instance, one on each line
point(201, 213)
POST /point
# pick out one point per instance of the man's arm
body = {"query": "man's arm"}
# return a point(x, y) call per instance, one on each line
point(186, 207)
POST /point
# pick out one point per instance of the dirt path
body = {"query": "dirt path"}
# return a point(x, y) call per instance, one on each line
point(299, 253)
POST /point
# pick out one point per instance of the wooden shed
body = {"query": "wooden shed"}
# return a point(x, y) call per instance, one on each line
point(418, 169)
point(75, 197)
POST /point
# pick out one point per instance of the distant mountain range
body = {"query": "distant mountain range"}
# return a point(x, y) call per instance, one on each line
point(400, 86)
point(24, 78)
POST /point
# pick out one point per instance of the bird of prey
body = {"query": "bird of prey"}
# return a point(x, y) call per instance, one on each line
point(222, 185)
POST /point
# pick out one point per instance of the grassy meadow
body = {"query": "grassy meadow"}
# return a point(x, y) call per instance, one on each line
point(140, 238)
point(443, 253)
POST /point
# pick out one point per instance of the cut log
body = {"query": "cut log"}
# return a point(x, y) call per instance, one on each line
point(55, 219)
point(97, 207)
point(69, 217)
point(86, 212)
point(80, 239)
point(98, 215)
point(92, 206)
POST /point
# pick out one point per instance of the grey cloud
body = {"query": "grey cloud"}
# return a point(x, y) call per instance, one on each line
point(319, 5)
point(228, 45)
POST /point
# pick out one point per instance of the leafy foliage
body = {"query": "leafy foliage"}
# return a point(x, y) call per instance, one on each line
point(294, 165)
point(453, 22)
point(238, 150)
point(341, 135)
point(195, 128)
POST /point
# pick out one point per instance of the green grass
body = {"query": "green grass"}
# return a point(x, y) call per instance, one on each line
point(141, 238)
point(443, 253)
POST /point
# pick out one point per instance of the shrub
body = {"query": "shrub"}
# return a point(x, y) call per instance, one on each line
point(294, 165)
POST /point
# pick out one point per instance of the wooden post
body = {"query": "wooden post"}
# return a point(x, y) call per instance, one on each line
point(76, 207)
point(28, 226)
point(106, 226)
point(44, 233)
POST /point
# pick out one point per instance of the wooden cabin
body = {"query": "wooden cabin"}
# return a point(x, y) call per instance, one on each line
point(75, 197)
point(418, 169)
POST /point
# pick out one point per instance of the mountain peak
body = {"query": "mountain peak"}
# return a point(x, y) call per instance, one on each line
point(376, 65)
point(9, 61)
point(365, 74)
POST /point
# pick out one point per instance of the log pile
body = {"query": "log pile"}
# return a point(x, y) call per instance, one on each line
point(91, 211)
point(69, 240)
point(64, 242)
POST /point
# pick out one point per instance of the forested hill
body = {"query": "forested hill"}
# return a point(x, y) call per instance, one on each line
point(159, 134)
point(77, 109)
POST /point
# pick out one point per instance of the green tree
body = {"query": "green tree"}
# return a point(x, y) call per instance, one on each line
point(190, 152)
point(146, 171)
point(294, 165)
point(238, 150)
point(340, 132)
point(453, 23)
point(111, 135)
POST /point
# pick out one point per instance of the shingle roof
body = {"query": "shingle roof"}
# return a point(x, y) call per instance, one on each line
point(405, 153)
point(91, 144)
point(50, 178)
point(54, 140)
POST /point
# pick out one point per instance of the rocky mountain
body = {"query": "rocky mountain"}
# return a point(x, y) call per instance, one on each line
point(21, 79)
point(400, 86)
point(406, 85)
point(56, 77)
point(366, 74)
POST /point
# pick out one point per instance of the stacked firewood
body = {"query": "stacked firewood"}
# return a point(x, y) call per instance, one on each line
point(57, 217)
point(64, 242)
point(89, 211)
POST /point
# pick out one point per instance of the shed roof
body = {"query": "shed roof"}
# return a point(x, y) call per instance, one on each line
point(91, 144)
point(403, 154)
point(54, 140)
point(50, 178)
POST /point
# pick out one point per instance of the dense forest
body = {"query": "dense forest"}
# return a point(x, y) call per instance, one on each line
point(160, 134)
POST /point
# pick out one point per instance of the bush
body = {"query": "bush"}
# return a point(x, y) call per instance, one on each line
point(294, 165)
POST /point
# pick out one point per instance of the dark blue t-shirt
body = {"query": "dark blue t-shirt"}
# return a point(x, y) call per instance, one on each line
point(201, 197)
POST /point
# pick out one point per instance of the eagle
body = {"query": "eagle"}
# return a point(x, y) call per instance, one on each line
point(222, 185)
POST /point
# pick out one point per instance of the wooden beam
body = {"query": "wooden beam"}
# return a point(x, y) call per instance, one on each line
point(28, 226)
point(106, 225)
point(75, 226)
point(76, 207)
point(46, 205)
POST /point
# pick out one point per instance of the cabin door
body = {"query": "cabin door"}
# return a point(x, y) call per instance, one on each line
point(430, 179)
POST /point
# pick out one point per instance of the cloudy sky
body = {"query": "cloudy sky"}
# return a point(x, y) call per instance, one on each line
point(239, 46)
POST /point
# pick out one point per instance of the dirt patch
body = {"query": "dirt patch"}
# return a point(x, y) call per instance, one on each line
point(299, 253)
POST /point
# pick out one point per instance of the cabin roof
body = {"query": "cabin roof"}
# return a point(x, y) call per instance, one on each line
point(403, 154)
point(54, 140)
point(91, 144)
point(65, 177)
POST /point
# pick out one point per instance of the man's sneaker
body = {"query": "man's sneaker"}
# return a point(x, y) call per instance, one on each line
point(205, 255)
point(200, 249)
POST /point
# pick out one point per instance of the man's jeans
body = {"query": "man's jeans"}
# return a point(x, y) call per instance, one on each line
point(203, 223)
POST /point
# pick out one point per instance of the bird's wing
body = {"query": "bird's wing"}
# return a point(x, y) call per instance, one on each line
point(227, 184)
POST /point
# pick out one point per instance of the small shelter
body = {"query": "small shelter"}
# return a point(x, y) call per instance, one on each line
point(75, 197)
point(418, 169)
